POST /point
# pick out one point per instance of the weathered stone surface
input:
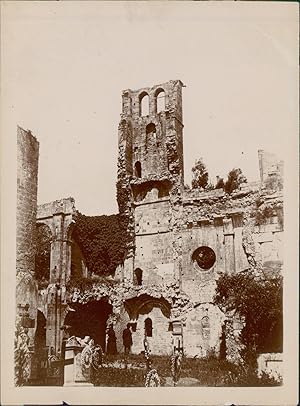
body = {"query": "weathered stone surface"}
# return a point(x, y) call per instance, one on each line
point(271, 364)
point(167, 224)
point(27, 178)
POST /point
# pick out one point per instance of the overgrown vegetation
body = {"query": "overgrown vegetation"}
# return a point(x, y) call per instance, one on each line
point(200, 178)
point(42, 257)
point(259, 303)
point(103, 241)
point(220, 184)
point(21, 356)
point(234, 179)
point(200, 175)
point(205, 372)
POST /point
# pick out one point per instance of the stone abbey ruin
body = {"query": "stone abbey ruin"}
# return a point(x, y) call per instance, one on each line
point(155, 263)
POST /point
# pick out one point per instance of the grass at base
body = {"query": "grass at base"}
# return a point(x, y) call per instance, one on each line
point(209, 372)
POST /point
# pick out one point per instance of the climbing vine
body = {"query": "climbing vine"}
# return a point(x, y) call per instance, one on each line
point(42, 257)
point(103, 241)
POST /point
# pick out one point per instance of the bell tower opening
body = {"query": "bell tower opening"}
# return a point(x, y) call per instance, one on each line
point(144, 104)
point(160, 104)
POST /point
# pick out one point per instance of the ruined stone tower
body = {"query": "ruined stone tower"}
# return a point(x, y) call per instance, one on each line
point(27, 179)
point(150, 133)
point(150, 170)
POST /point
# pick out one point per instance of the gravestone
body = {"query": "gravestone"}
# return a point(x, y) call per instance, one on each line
point(74, 374)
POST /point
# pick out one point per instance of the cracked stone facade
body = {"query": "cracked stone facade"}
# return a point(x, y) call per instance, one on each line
point(182, 240)
point(27, 180)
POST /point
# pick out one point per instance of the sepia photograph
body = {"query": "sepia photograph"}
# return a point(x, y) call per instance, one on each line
point(150, 202)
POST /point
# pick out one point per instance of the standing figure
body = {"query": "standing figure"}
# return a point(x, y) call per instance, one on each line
point(111, 341)
point(127, 339)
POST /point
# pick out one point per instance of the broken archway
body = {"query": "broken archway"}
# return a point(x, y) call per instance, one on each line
point(150, 317)
point(89, 319)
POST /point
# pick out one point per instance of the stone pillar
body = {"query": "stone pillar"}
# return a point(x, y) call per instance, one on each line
point(66, 248)
point(27, 178)
point(55, 319)
point(68, 260)
point(177, 335)
point(56, 249)
point(229, 246)
point(73, 374)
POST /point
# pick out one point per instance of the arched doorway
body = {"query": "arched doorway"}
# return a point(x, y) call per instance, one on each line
point(40, 349)
point(89, 320)
point(40, 332)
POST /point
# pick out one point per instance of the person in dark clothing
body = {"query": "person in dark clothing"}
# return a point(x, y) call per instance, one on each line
point(127, 339)
point(111, 341)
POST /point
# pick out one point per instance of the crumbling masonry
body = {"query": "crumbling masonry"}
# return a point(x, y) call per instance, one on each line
point(181, 240)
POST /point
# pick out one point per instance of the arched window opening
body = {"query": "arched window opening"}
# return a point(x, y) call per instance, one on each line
point(160, 101)
point(150, 128)
point(138, 276)
point(138, 169)
point(148, 327)
point(144, 104)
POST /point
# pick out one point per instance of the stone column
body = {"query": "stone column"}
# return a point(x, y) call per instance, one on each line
point(177, 335)
point(229, 246)
point(27, 179)
point(55, 318)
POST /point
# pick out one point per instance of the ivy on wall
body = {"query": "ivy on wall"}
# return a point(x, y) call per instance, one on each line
point(103, 241)
point(43, 248)
point(258, 301)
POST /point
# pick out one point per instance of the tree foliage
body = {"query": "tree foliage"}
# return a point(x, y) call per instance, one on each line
point(234, 180)
point(200, 175)
point(259, 303)
point(21, 356)
point(220, 184)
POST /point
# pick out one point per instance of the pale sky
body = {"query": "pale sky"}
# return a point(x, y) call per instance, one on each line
point(66, 64)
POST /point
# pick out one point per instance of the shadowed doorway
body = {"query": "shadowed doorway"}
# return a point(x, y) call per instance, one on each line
point(89, 320)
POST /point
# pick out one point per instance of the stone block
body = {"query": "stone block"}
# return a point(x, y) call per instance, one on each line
point(264, 237)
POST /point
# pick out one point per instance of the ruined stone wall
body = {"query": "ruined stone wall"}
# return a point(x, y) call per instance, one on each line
point(153, 241)
point(245, 231)
point(152, 141)
point(267, 233)
point(172, 231)
point(224, 237)
point(154, 254)
point(202, 331)
point(27, 177)
point(58, 216)
point(269, 164)
point(161, 340)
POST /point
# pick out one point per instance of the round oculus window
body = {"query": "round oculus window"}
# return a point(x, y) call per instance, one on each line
point(205, 257)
